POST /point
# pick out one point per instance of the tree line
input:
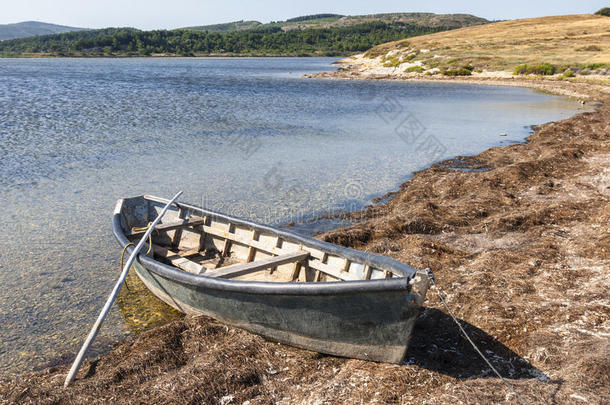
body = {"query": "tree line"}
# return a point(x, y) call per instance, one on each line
point(332, 41)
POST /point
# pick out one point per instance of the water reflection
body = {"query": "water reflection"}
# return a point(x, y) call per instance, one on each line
point(140, 309)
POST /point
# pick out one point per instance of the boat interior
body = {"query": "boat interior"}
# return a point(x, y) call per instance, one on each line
point(208, 244)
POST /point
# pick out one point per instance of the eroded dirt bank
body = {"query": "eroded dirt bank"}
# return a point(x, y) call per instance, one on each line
point(518, 237)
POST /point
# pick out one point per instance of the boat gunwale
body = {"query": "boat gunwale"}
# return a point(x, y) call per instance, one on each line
point(269, 287)
point(377, 261)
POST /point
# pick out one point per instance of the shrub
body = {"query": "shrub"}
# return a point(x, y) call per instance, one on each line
point(457, 72)
point(544, 69)
point(415, 68)
point(590, 48)
point(374, 53)
point(567, 73)
point(594, 66)
point(411, 56)
point(392, 62)
point(520, 70)
point(465, 70)
point(604, 11)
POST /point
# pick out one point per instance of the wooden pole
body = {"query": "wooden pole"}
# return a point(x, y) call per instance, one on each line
point(100, 319)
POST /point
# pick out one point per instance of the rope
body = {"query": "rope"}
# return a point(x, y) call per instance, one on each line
point(143, 229)
point(137, 229)
point(510, 387)
point(122, 256)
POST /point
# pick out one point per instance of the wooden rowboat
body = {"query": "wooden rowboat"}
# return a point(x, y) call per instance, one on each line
point(289, 288)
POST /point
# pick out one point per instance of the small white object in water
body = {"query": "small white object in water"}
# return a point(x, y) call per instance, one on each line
point(503, 134)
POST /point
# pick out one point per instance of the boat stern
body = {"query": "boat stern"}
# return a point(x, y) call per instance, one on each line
point(420, 283)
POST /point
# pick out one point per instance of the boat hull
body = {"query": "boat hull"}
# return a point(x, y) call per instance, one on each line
point(374, 326)
point(354, 312)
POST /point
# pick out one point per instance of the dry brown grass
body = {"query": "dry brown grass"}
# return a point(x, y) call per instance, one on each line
point(561, 40)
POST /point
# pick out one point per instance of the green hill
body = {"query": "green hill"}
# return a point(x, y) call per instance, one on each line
point(314, 17)
point(326, 35)
point(31, 28)
point(320, 21)
point(226, 27)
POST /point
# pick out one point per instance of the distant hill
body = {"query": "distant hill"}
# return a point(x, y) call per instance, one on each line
point(31, 28)
point(314, 17)
point(319, 21)
point(320, 34)
point(226, 27)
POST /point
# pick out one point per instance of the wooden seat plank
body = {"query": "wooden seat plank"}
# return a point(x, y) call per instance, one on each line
point(245, 268)
point(244, 241)
point(179, 259)
point(169, 226)
point(165, 252)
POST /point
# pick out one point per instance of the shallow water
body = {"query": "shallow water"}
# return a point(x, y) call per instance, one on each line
point(245, 136)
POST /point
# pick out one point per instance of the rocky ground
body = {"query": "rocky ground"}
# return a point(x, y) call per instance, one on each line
point(519, 241)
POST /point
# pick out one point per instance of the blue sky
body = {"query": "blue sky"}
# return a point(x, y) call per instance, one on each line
point(166, 14)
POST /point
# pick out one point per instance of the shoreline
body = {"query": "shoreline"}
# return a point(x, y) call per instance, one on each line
point(581, 89)
point(168, 56)
point(528, 197)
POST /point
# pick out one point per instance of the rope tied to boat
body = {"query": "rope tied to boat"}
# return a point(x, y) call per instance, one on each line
point(137, 229)
point(455, 319)
point(122, 256)
point(143, 229)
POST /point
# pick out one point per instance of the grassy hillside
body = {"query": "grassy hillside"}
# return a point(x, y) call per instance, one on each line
point(321, 21)
point(262, 39)
point(31, 28)
point(572, 44)
point(226, 27)
point(429, 19)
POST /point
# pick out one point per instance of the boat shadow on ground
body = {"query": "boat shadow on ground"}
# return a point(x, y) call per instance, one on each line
point(437, 344)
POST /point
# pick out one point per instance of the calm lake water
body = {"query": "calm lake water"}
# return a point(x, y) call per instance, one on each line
point(244, 136)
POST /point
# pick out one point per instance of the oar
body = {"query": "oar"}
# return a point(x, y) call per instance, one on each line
point(100, 319)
